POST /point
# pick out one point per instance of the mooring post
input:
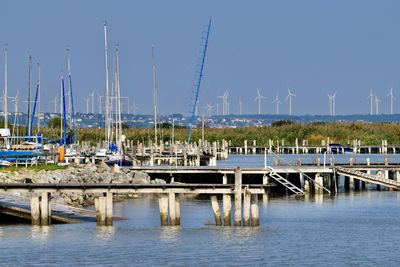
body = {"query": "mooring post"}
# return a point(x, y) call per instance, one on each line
point(246, 207)
point(217, 213)
point(45, 209)
point(109, 208)
point(163, 204)
point(238, 197)
point(172, 208)
point(35, 210)
point(255, 217)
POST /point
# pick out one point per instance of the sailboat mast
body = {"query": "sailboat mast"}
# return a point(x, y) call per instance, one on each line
point(64, 117)
point(154, 94)
point(119, 122)
point(72, 115)
point(38, 98)
point(29, 95)
point(107, 93)
point(5, 107)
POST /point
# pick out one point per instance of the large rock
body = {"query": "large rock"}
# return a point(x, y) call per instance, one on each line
point(141, 178)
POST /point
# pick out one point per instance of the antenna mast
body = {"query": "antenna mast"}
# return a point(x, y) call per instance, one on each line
point(197, 78)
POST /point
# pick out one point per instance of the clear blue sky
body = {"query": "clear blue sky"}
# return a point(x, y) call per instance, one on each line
point(315, 47)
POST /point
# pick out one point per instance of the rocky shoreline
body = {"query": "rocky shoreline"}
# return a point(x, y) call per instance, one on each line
point(86, 174)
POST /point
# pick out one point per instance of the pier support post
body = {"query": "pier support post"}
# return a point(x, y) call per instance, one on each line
point(109, 208)
point(227, 206)
point(246, 207)
point(45, 209)
point(172, 208)
point(177, 210)
point(346, 183)
point(163, 204)
point(255, 217)
point(319, 183)
point(356, 184)
point(35, 210)
point(238, 197)
point(217, 212)
point(101, 209)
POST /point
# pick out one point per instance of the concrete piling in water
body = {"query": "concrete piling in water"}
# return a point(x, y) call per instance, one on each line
point(35, 210)
point(163, 204)
point(45, 209)
point(216, 210)
point(177, 210)
point(246, 207)
point(255, 217)
point(101, 209)
point(172, 209)
point(238, 197)
point(227, 206)
point(109, 208)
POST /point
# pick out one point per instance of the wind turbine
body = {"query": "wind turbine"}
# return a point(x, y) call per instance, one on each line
point(277, 103)
point(332, 104)
point(134, 108)
point(87, 99)
point(55, 103)
point(258, 98)
point(240, 107)
point(390, 94)
point(377, 100)
point(100, 103)
point(92, 96)
point(371, 96)
point(209, 108)
point(289, 97)
point(224, 102)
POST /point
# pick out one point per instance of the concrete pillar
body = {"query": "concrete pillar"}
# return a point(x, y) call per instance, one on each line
point(307, 186)
point(255, 217)
point(45, 209)
point(100, 204)
point(172, 208)
point(318, 184)
point(356, 184)
point(238, 197)
point(35, 210)
point(163, 204)
point(109, 208)
point(246, 207)
point(245, 147)
point(217, 212)
point(227, 205)
point(177, 210)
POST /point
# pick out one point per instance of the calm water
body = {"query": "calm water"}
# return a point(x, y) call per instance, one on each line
point(356, 229)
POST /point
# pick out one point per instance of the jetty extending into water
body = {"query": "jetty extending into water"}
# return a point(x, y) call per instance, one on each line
point(41, 212)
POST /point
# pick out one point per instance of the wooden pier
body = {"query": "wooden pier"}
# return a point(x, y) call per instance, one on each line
point(41, 212)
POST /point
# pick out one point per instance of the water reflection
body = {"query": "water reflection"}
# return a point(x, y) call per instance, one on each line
point(105, 233)
point(319, 199)
point(239, 233)
point(170, 234)
point(40, 233)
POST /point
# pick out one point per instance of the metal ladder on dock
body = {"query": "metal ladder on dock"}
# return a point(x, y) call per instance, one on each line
point(369, 178)
point(280, 179)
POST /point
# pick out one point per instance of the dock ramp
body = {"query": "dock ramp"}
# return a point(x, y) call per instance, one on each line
point(369, 178)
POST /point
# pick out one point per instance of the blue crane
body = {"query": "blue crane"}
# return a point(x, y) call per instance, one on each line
point(198, 74)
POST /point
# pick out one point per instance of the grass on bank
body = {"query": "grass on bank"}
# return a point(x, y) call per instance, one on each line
point(39, 167)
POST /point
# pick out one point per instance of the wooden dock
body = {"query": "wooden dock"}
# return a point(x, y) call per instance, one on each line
point(41, 210)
